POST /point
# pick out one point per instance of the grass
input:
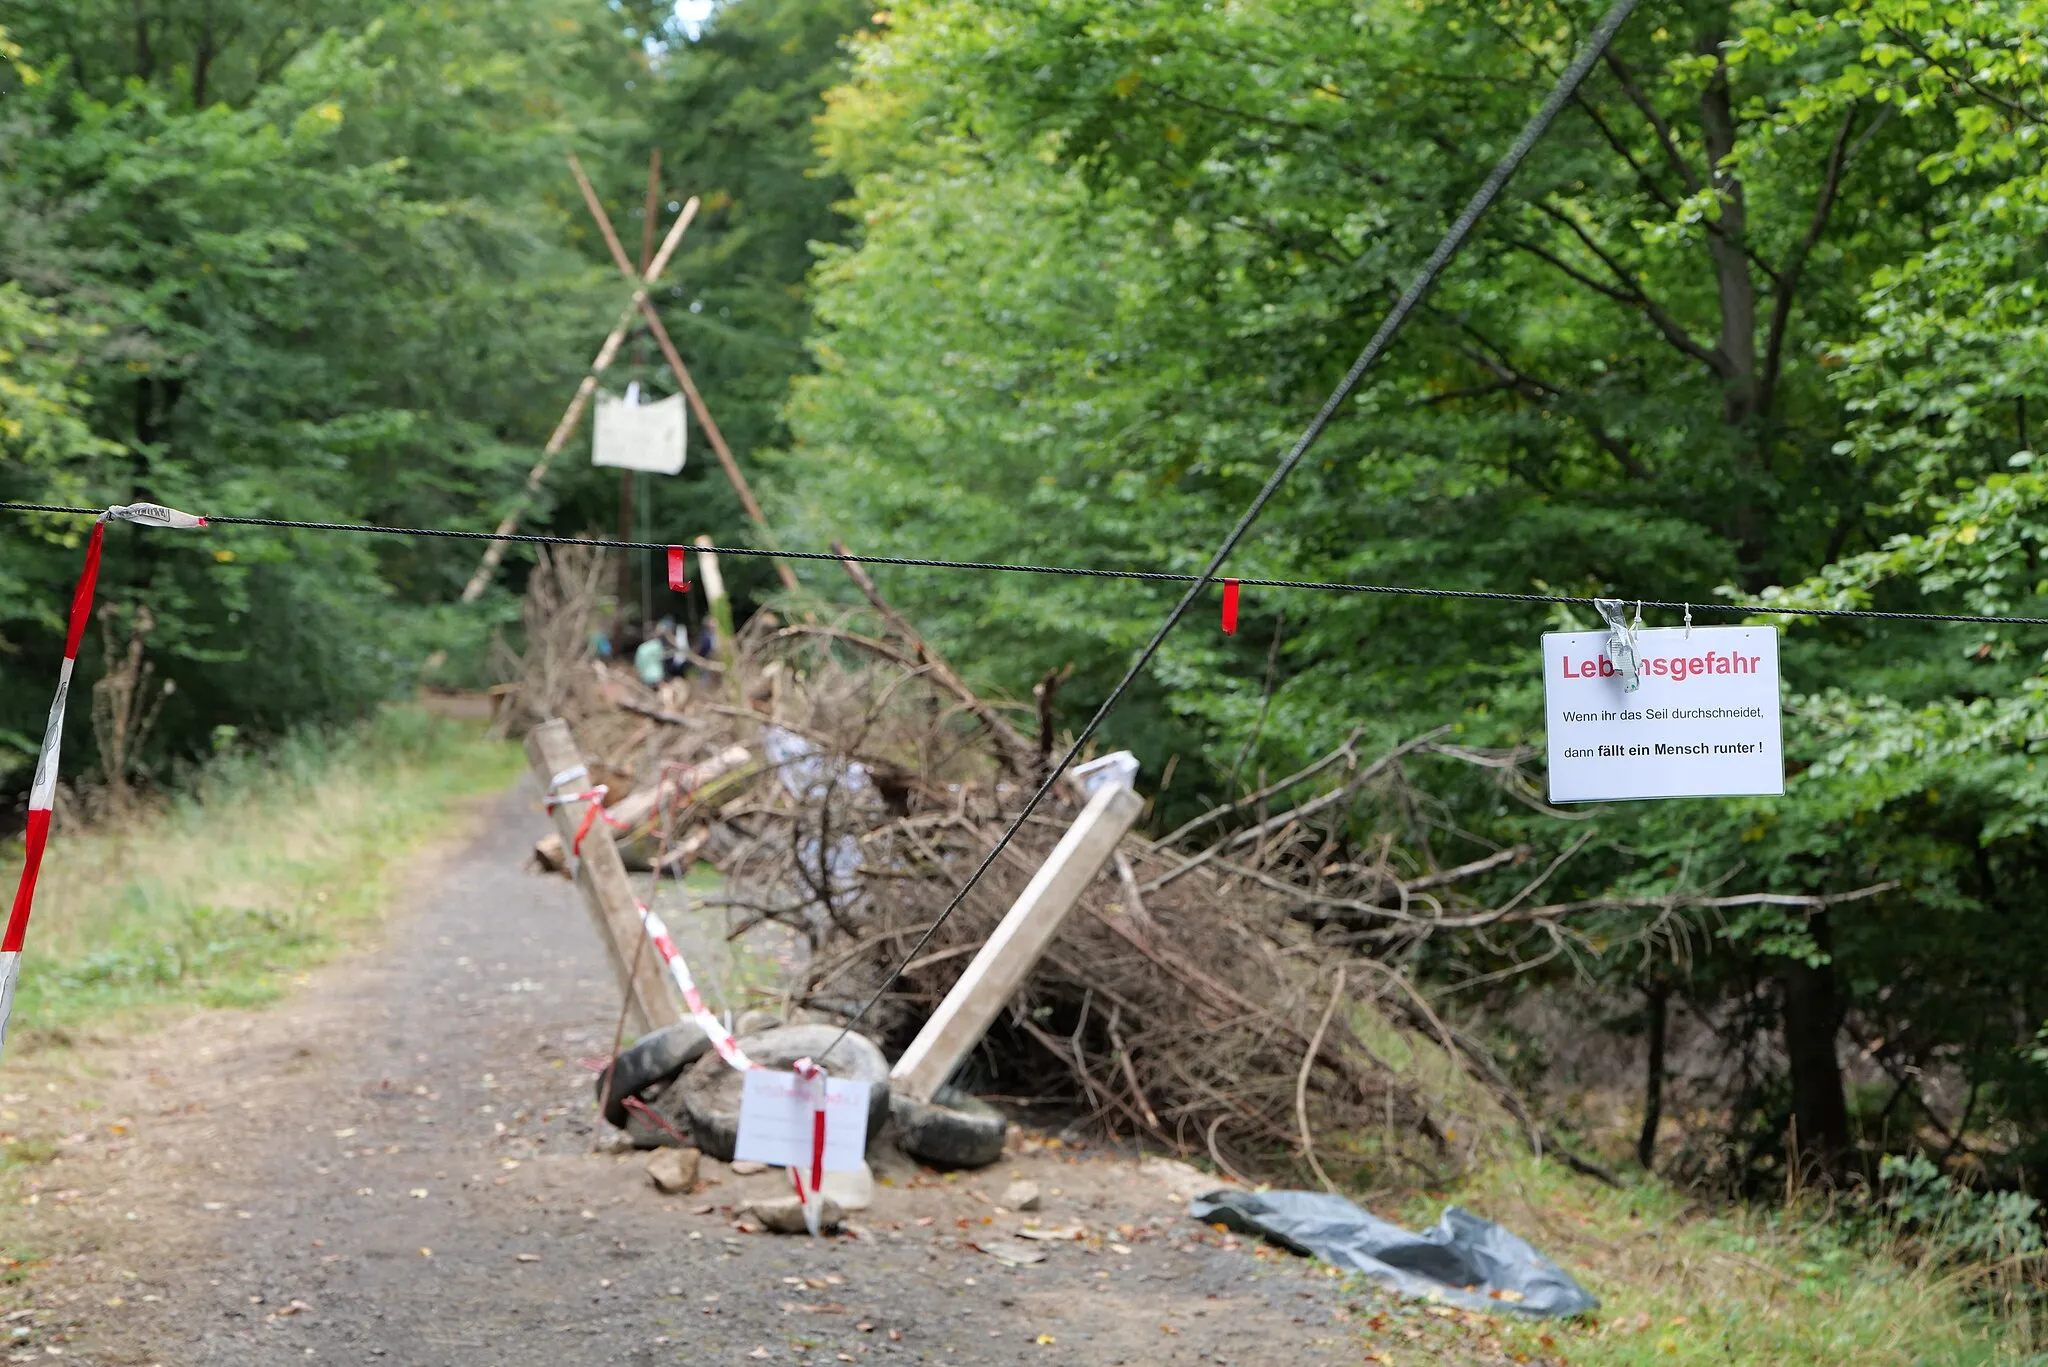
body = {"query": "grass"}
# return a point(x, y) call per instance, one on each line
point(267, 863)
point(1682, 1287)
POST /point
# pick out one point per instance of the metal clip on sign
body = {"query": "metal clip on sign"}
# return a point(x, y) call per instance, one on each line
point(1621, 644)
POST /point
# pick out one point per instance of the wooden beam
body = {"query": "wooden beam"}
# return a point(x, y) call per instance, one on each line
point(559, 438)
point(1017, 945)
point(651, 999)
point(653, 210)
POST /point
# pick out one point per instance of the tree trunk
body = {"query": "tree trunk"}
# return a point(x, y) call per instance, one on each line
point(202, 62)
point(1737, 342)
point(1812, 1020)
point(629, 615)
point(145, 62)
point(1656, 995)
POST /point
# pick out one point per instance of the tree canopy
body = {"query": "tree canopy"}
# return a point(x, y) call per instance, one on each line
point(1751, 326)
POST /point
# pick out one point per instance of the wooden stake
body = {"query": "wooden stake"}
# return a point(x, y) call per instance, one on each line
point(626, 477)
point(495, 552)
point(652, 316)
point(653, 208)
point(721, 608)
point(1017, 945)
point(651, 999)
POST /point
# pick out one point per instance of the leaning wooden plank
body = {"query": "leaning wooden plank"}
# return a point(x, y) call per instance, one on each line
point(1017, 944)
point(639, 807)
point(651, 999)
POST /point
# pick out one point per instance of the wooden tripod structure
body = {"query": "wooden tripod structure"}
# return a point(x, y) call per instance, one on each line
point(641, 306)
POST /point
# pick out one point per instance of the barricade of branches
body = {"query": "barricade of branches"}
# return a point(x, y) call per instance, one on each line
point(847, 782)
point(1229, 989)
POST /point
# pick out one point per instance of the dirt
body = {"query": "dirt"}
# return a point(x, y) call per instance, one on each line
point(397, 1165)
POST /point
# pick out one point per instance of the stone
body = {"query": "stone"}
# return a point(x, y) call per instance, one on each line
point(615, 1141)
point(853, 1190)
point(673, 1170)
point(1020, 1196)
point(747, 1167)
point(785, 1215)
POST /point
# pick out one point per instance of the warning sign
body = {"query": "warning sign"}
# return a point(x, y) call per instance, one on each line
point(1703, 722)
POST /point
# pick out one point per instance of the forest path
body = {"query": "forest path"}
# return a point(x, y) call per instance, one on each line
point(395, 1165)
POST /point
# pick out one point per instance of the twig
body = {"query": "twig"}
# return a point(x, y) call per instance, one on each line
point(1019, 751)
point(1514, 854)
point(1308, 1062)
point(1306, 809)
point(1342, 752)
point(1123, 1057)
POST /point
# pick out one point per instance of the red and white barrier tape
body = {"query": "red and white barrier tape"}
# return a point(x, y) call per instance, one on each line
point(679, 969)
point(714, 1029)
point(42, 794)
point(729, 1050)
point(814, 1209)
point(591, 814)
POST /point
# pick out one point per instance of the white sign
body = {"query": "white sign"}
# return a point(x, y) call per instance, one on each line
point(639, 436)
point(777, 1124)
point(1704, 723)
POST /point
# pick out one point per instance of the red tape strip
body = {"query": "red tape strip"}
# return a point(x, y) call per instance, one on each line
point(677, 574)
point(1230, 607)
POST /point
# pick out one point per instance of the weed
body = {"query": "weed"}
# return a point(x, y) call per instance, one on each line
point(1682, 1287)
point(265, 862)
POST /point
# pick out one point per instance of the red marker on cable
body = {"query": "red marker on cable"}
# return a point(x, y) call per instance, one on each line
point(676, 572)
point(1230, 607)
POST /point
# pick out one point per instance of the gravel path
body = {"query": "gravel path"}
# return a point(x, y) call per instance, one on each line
point(396, 1166)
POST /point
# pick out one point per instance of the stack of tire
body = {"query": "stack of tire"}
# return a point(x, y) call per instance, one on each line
point(677, 1074)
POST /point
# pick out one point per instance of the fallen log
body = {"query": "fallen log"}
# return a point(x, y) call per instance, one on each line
point(638, 808)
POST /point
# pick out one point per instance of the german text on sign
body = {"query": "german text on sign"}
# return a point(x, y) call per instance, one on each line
point(1704, 723)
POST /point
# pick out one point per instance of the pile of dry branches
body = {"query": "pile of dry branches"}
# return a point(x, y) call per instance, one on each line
point(1225, 993)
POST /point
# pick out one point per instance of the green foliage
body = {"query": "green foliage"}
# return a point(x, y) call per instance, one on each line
point(1961, 1225)
point(260, 264)
point(1760, 312)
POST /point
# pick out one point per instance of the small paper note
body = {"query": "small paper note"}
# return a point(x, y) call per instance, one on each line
point(776, 1125)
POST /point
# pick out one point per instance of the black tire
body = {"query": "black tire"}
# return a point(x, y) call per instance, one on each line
point(648, 1064)
point(708, 1093)
point(952, 1130)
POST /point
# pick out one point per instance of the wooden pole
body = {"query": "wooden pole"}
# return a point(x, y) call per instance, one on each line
point(495, 552)
point(652, 317)
point(627, 478)
point(653, 209)
point(1019, 942)
point(643, 805)
point(651, 998)
point(721, 611)
point(627, 617)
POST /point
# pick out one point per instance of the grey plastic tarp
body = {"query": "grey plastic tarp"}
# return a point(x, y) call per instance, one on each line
point(1461, 1260)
